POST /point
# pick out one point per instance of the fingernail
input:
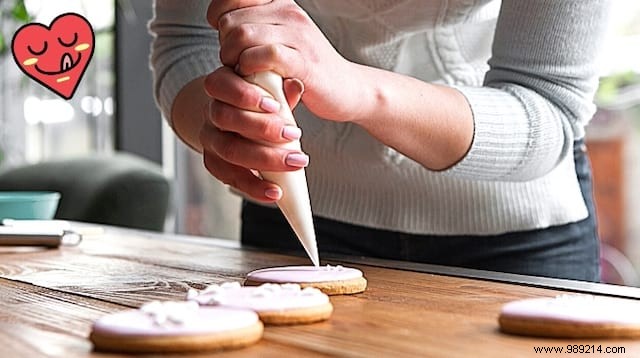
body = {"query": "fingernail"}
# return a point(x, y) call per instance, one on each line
point(297, 160)
point(291, 132)
point(300, 84)
point(273, 193)
point(269, 104)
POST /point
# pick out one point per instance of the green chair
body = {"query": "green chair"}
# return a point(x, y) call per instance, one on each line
point(119, 189)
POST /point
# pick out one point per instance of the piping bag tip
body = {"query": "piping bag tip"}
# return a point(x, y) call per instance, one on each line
point(297, 211)
point(312, 252)
point(296, 208)
point(294, 203)
point(308, 240)
point(311, 248)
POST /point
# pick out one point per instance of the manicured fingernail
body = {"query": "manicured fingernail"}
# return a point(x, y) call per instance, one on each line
point(273, 193)
point(297, 160)
point(269, 104)
point(291, 132)
point(300, 84)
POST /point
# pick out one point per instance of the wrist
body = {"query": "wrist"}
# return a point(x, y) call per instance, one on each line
point(370, 98)
point(341, 94)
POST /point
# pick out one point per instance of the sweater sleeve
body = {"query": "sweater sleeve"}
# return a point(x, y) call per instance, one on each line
point(537, 96)
point(184, 47)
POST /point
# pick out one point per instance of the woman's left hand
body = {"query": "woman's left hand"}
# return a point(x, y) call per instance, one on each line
point(277, 35)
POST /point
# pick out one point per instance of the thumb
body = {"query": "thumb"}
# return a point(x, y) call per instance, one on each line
point(293, 90)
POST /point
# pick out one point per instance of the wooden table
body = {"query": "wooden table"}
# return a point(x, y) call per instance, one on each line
point(49, 298)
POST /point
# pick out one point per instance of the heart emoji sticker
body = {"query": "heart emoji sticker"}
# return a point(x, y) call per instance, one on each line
point(55, 56)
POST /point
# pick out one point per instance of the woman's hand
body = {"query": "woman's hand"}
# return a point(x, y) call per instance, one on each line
point(242, 129)
point(432, 124)
point(241, 132)
point(262, 35)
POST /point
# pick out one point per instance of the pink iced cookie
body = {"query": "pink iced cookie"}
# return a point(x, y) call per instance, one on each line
point(274, 303)
point(332, 280)
point(573, 316)
point(175, 327)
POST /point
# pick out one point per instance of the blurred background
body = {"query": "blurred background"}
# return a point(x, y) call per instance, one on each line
point(113, 111)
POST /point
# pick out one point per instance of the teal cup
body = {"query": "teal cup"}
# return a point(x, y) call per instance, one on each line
point(36, 205)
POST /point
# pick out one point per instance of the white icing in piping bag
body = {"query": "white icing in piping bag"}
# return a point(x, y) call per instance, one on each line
point(294, 203)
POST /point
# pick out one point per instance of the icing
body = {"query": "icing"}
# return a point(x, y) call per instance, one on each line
point(577, 308)
point(304, 274)
point(166, 313)
point(266, 297)
point(174, 318)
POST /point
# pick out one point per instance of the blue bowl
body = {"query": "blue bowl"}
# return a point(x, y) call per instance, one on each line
point(38, 205)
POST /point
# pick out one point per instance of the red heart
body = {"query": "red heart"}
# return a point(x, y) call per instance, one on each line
point(55, 56)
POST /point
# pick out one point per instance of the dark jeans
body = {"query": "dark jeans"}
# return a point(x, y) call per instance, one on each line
point(568, 251)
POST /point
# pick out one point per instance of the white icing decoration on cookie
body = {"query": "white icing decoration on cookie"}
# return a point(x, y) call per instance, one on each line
point(230, 285)
point(310, 291)
point(192, 293)
point(266, 297)
point(166, 313)
point(192, 318)
point(304, 274)
point(577, 308)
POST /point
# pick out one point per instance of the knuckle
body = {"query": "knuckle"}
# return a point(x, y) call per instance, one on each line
point(227, 57)
point(211, 85)
point(205, 137)
point(295, 13)
point(264, 158)
point(224, 22)
point(219, 117)
point(248, 98)
point(275, 52)
point(243, 34)
point(227, 149)
point(271, 158)
point(269, 129)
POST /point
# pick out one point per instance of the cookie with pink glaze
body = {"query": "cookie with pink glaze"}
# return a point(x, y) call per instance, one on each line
point(332, 280)
point(572, 316)
point(275, 304)
point(172, 327)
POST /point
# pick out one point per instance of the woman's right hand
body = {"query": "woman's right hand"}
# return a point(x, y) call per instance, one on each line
point(242, 131)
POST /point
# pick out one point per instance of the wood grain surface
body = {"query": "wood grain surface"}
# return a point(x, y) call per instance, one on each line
point(49, 299)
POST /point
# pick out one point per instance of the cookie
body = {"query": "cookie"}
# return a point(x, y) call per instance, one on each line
point(572, 316)
point(275, 304)
point(332, 280)
point(175, 327)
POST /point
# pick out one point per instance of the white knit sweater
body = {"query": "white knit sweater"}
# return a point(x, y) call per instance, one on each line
point(530, 94)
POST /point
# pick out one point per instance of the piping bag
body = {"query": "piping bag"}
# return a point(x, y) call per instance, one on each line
point(294, 203)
